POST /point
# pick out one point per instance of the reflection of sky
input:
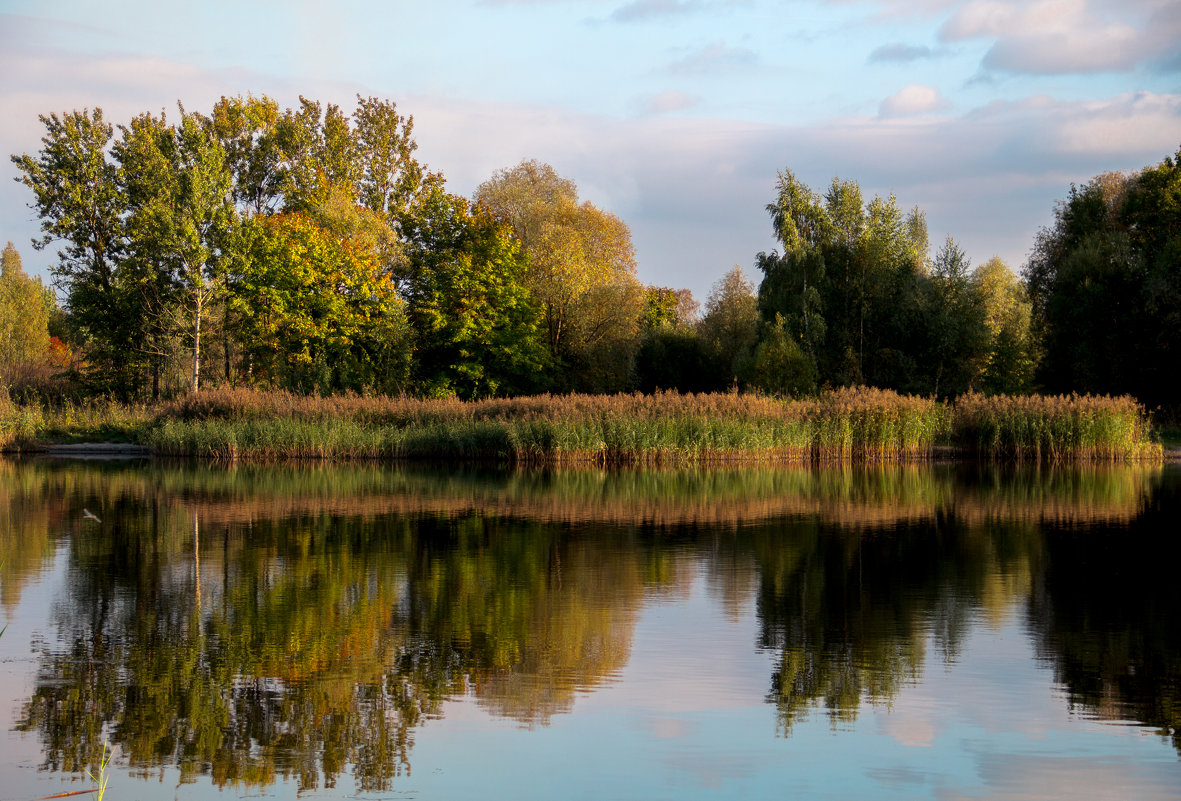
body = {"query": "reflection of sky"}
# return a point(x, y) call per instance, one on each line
point(687, 718)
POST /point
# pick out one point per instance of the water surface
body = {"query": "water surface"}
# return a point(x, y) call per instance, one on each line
point(387, 632)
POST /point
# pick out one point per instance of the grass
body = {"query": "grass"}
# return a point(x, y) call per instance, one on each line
point(845, 425)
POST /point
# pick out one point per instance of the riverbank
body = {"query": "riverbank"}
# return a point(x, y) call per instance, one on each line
point(859, 425)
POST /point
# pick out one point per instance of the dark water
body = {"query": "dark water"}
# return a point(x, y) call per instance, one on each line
point(948, 632)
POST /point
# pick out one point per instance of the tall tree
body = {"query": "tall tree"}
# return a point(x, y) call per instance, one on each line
point(848, 282)
point(478, 327)
point(179, 191)
point(581, 270)
point(249, 132)
point(1106, 287)
point(956, 324)
point(729, 327)
point(1010, 351)
point(79, 195)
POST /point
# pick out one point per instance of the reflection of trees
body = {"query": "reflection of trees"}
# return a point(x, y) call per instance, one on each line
point(850, 610)
point(319, 642)
point(1105, 613)
point(533, 613)
point(339, 608)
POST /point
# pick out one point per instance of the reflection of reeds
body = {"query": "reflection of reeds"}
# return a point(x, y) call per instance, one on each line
point(858, 496)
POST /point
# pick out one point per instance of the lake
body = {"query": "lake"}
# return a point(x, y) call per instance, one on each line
point(946, 631)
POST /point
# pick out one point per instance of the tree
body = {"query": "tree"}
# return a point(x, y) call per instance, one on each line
point(319, 314)
point(670, 355)
point(581, 270)
point(848, 282)
point(955, 323)
point(179, 192)
point(249, 132)
point(477, 326)
point(778, 364)
point(79, 195)
point(1105, 286)
point(1010, 353)
point(729, 328)
point(25, 308)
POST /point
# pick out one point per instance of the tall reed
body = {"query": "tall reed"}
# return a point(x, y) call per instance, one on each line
point(1054, 428)
point(850, 424)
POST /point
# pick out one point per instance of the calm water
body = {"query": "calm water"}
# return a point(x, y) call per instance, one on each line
point(950, 632)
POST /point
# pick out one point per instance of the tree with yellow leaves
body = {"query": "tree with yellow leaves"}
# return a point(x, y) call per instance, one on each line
point(581, 270)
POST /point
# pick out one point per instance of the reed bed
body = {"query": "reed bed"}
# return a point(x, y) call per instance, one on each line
point(1054, 428)
point(844, 425)
point(29, 426)
point(664, 428)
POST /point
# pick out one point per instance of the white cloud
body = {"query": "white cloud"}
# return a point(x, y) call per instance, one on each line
point(714, 59)
point(901, 52)
point(647, 9)
point(669, 101)
point(914, 100)
point(1069, 36)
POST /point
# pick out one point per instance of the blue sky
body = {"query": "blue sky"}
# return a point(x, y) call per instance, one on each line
point(674, 114)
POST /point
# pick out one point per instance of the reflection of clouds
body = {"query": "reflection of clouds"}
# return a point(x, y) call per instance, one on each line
point(898, 777)
point(671, 728)
point(1041, 777)
point(907, 729)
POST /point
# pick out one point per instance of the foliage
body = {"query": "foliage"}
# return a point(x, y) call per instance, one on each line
point(80, 198)
point(181, 221)
point(778, 364)
point(955, 314)
point(1106, 288)
point(729, 327)
point(25, 309)
point(1010, 351)
point(319, 313)
point(478, 327)
point(856, 291)
point(581, 270)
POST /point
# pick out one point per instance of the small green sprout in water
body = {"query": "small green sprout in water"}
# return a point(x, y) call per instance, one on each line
point(103, 776)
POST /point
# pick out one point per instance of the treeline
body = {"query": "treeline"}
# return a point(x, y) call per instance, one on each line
point(309, 250)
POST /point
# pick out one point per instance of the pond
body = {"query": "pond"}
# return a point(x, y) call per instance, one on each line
point(949, 631)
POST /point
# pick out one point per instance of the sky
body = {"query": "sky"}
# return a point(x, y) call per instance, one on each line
point(675, 115)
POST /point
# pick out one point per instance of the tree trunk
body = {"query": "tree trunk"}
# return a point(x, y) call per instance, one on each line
point(196, 385)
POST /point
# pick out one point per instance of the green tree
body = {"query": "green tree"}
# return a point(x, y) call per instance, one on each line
point(319, 313)
point(958, 335)
point(250, 133)
point(478, 328)
point(1010, 352)
point(850, 282)
point(1105, 286)
point(778, 364)
point(671, 355)
point(181, 212)
point(729, 328)
point(25, 308)
point(79, 195)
